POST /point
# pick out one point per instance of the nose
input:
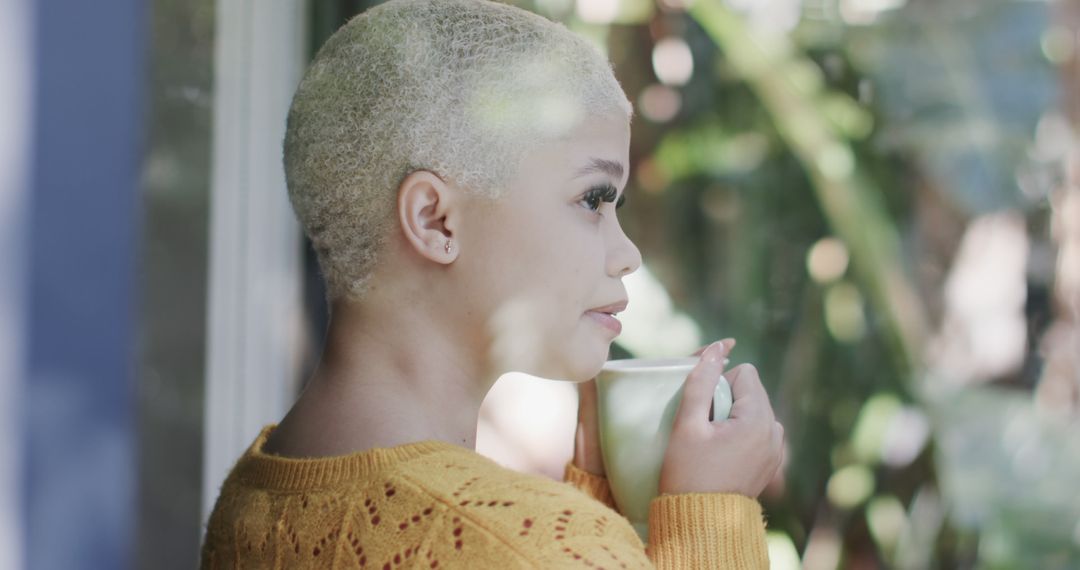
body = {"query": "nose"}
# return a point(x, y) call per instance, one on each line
point(623, 257)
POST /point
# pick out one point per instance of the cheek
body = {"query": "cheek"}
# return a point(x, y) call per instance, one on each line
point(556, 253)
point(555, 258)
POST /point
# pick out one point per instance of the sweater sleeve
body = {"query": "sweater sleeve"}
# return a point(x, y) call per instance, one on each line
point(707, 530)
point(592, 485)
point(693, 530)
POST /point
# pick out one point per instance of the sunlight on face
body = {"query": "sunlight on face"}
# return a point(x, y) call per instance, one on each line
point(517, 329)
point(550, 250)
point(542, 102)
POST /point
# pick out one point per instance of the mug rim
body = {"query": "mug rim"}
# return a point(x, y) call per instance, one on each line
point(650, 364)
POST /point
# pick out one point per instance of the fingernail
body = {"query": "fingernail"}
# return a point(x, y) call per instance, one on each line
point(715, 352)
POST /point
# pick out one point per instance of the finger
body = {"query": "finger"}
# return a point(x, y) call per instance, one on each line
point(586, 397)
point(778, 436)
point(728, 342)
point(749, 398)
point(701, 383)
point(587, 389)
point(778, 445)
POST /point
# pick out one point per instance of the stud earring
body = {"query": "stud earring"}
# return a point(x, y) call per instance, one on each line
point(448, 242)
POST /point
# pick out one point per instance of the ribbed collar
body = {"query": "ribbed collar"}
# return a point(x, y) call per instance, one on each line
point(261, 469)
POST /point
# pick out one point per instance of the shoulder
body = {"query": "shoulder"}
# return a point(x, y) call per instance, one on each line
point(448, 508)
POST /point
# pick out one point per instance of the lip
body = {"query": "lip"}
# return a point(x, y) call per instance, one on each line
point(617, 307)
point(606, 321)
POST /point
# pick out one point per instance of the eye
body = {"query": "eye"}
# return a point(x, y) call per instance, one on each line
point(598, 194)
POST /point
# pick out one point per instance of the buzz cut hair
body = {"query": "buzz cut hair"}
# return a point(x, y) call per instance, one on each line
point(461, 88)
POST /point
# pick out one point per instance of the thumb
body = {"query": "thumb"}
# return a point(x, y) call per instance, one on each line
point(700, 385)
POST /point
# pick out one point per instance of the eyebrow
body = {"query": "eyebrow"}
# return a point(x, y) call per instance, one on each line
point(610, 167)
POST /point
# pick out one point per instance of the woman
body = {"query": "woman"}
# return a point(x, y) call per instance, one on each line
point(457, 165)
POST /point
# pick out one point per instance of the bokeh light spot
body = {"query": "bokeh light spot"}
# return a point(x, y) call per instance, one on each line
point(659, 103)
point(827, 260)
point(672, 61)
point(850, 486)
point(844, 312)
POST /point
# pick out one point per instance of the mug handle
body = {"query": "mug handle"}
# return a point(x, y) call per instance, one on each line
point(721, 406)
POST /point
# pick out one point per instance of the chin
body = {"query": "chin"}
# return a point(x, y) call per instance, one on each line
point(578, 364)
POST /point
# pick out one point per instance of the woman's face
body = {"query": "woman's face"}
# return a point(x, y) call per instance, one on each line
point(543, 263)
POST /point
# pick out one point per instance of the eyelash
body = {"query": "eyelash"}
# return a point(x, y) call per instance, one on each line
point(603, 193)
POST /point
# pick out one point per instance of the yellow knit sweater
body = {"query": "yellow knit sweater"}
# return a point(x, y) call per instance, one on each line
point(433, 504)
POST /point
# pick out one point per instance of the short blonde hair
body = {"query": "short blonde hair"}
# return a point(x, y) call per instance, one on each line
point(463, 88)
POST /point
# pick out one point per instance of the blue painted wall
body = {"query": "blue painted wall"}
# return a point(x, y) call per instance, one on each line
point(79, 411)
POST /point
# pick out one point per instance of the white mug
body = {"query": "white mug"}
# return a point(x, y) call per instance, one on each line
point(636, 404)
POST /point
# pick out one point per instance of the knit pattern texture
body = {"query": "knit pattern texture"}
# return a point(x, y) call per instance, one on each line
point(433, 504)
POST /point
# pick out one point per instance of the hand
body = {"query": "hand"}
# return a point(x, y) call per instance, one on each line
point(587, 455)
point(587, 438)
point(738, 455)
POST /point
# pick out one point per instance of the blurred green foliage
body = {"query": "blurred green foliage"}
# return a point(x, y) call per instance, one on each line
point(885, 127)
point(890, 134)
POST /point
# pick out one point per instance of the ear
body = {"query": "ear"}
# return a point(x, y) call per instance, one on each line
point(426, 209)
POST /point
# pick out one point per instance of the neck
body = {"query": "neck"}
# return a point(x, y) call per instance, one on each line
point(388, 375)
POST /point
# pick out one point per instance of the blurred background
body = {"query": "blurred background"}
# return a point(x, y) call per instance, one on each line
point(880, 199)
